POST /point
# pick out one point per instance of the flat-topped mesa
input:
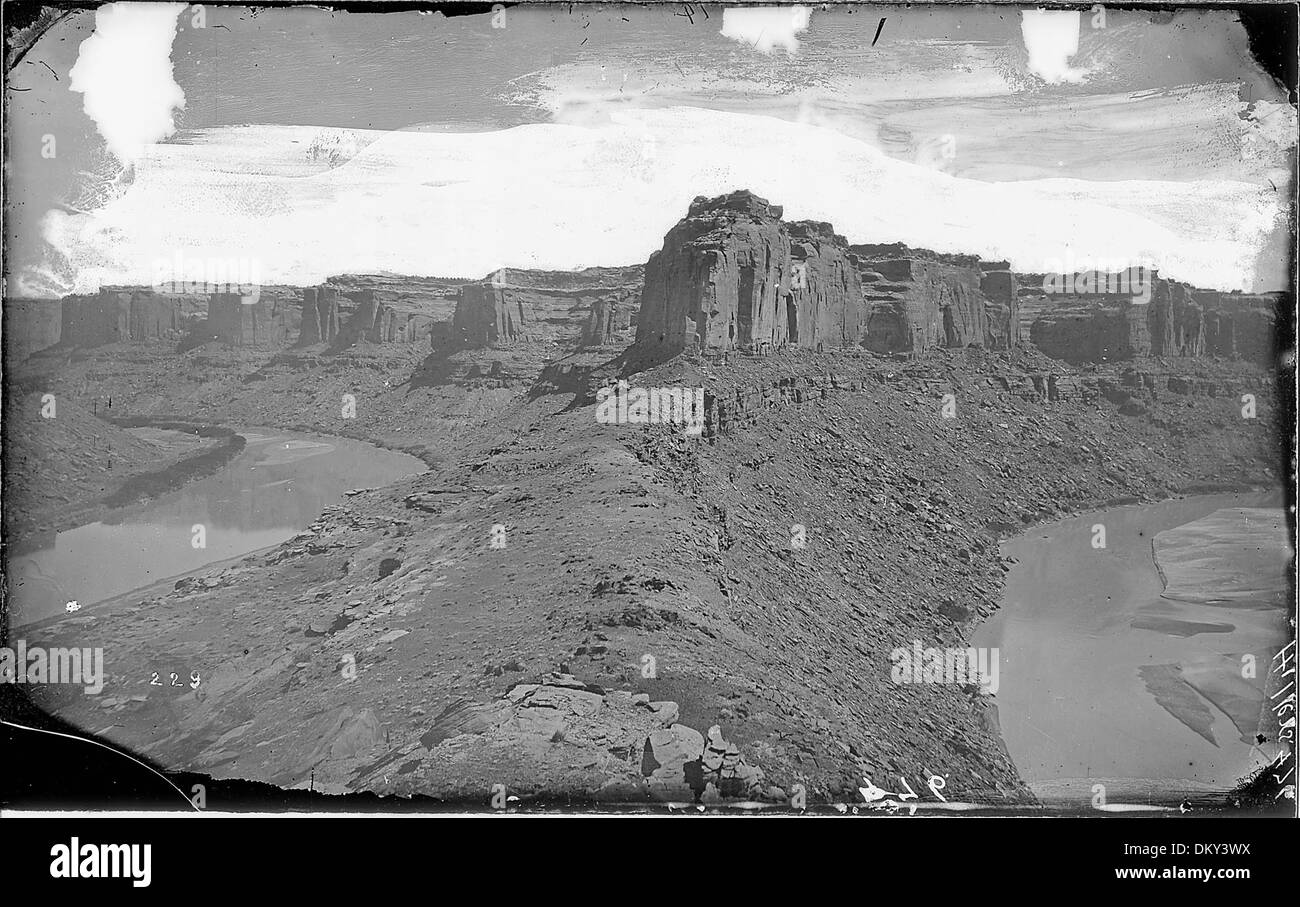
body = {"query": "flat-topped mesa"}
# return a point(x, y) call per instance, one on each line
point(564, 308)
point(916, 300)
point(733, 275)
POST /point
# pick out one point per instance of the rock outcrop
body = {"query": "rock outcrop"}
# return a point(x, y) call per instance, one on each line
point(607, 322)
point(918, 300)
point(119, 314)
point(263, 323)
point(320, 315)
point(1167, 319)
point(30, 325)
point(116, 314)
point(378, 308)
point(558, 307)
point(733, 275)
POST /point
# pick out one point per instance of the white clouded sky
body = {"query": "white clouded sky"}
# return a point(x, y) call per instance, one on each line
point(572, 140)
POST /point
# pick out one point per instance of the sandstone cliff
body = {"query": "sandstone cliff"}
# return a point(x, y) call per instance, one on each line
point(117, 314)
point(919, 300)
point(734, 275)
point(554, 307)
point(378, 308)
point(1175, 321)
point(264, 323)
point(30, 325)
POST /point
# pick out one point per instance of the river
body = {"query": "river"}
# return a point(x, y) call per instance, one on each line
point(1113, 685)
point(275, 488)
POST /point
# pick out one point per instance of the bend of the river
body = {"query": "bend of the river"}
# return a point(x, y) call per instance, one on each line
point(1112, 684)
point(272, 490)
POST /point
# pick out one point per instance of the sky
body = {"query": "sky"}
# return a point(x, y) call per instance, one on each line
point(315, 142)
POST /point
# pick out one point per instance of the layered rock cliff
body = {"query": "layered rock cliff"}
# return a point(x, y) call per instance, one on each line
point(1164, 318)
point(557, 307)
point(264, 323)
point(734, 275)
point(918, 300)
point(377, 308)
point(117, 314)
point(30, 325)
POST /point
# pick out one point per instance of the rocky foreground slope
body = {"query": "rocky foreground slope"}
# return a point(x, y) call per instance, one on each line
point(584, 610)
point(527, 664)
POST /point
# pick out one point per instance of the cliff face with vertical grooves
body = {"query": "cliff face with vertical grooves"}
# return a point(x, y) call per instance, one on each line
point(30, 325)
point(377, 308)
point(264, 323)
point(118, 314)
point(555, 307)
point(320, 315)
point(609, 319)
point(1176, 321)
point(734, 275)
point(918, 300)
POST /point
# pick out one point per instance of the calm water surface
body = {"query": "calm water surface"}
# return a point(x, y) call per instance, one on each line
point(274, 489)
point(1106, 680)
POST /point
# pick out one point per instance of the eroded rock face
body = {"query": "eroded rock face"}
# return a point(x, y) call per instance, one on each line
point(521, 306)
point(262, 323)
point(609, 319)
point(371, 321)
point(1242, 326)
point(344, 314)
point(30, 325)
point(1002, 304)
point(1176, 321)
point(918, 300)
point(320, 316)
point(114, 315)
point(733, 275)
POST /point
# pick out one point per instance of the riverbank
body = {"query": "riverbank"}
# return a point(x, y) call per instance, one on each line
point(74, 467)
point(276, 486)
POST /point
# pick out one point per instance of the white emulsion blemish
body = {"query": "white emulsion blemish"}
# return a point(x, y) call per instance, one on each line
point(124, 71)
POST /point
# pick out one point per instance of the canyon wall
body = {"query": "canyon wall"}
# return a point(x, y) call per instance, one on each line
point(557, 307)
point(733, 275)
point(1175, 321)
point(918, 300)
point(378, 308)
point(320, 315)
point(118, 314)
point(609, 319)
point(264, 323)
point(30, 325)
